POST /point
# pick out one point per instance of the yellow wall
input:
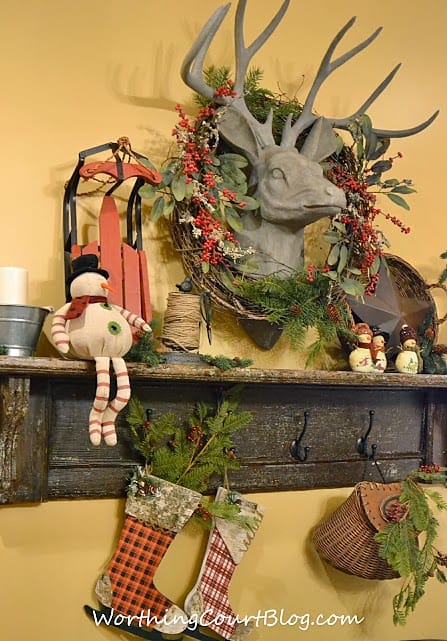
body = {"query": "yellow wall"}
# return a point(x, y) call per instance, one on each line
point(78, 74)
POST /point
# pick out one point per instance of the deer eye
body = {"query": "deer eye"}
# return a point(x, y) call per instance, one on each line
point(278, 174)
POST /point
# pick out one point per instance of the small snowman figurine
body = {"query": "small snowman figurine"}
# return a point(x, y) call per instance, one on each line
point(378, 348)
point(361, 357)
point(409, 359)
point(90, 328)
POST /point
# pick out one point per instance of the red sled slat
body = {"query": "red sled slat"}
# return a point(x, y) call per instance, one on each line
point(131, 279)
point(110, 248)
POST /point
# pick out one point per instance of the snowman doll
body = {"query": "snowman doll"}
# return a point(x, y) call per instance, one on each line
point(378, 348)
point(361, 357)
point(409, 359)
point(90, 328)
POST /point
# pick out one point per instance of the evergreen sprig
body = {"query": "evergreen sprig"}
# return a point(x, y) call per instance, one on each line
point(259, 100)
point(188, 455)
point(297, 303)
point(225, 363)
point(408, 544)
point(228, 510)
point(144, 350)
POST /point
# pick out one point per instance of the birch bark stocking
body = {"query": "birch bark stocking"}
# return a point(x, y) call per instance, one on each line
point(151, 523)
point(227, 545)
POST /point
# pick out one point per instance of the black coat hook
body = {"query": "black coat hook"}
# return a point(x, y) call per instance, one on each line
point(295, 449)
point(362, 442)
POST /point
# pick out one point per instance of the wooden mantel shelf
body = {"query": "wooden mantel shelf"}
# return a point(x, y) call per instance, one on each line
point(54, 367)
point(45, 452)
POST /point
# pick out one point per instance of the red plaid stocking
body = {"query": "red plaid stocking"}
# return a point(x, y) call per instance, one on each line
point(227, 544)
point(150, 525)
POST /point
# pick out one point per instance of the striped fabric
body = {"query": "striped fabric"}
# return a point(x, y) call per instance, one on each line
point(138, 555)
point(214, 582)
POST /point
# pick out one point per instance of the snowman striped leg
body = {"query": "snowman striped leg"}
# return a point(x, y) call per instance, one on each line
point(101, 398)
point(119, 402)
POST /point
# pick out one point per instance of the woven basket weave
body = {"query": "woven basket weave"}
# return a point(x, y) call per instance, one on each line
point(346, 538)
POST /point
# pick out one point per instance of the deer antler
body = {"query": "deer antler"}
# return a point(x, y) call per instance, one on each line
point(192, 67)
point(328, 66)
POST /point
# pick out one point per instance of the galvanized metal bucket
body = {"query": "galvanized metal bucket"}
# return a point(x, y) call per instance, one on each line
point(20, 327)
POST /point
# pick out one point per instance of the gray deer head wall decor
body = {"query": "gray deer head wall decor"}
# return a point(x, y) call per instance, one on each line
point(290, 185)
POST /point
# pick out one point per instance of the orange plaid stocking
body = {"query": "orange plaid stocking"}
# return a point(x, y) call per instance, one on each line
point(150, 525)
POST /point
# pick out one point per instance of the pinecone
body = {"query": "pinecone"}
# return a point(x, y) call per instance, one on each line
point(334, 313)
point(295, 310)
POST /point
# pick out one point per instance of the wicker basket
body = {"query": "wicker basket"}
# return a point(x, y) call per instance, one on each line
point(346, 538)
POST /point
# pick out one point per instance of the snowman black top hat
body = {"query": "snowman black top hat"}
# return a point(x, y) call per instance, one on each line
point(86, 263)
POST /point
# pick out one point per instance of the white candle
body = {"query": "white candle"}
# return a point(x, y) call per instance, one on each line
point(13, 286)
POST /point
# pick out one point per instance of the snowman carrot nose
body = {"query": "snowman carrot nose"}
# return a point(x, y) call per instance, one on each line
point(107, 286)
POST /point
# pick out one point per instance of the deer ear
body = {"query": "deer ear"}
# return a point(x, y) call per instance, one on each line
point(321, 141)
point(234, 127)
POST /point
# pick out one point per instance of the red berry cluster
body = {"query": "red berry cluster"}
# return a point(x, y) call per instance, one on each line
point(310, 273)
point(197, 141)
point(430, 469)
point(396, 511)
point(195, 435)
point(212, 233)
point(202, 513)
point(364, 238)
point(226, 90)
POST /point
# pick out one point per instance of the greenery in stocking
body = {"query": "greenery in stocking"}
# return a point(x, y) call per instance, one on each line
point(189, 455)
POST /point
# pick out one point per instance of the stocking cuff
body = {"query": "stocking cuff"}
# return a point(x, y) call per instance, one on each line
point(163, 504)
point(236, 538)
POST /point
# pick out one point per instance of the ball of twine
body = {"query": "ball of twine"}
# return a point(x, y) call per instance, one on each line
point(181, 325)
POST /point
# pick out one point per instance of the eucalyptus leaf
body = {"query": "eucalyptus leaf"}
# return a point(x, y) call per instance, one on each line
point(381, 165)
point(205, 267)
point(147, 191)
point(178, 187)
point(365, 125)
point(167, 177)
point(332, 275)
point(227, 280)
point(331, 237)
point(352, 287)
point(343, 259)
point(391, 182)
point(373, 179)
point(189, 190)
point(403, 189)
point(354, 270)
point(250, 203)
point(398, 200)
point(158, 208)
point(332, 259)
point(168, 207)
point(340, 226)
point(236, 159)
point(382, 146)
point(375, 267)
point(233, 219)
point(371, 145)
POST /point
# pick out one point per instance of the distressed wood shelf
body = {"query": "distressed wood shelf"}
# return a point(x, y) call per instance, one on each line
point(45, 452)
